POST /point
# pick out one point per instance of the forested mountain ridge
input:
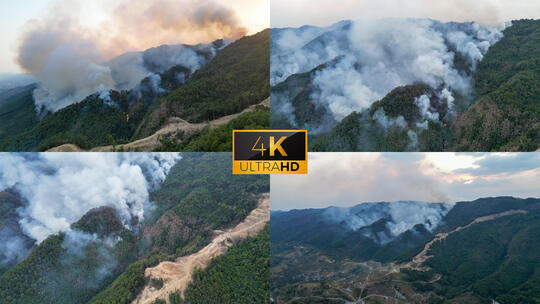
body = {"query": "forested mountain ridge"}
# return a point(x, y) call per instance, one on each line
point(500, 113)
point(370, 225)
point(229, 279)
point(506, 113)
point(236, 78)
point(17, 111)
point(102, 261)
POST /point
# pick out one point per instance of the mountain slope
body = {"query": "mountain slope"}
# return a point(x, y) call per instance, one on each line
point(229, 278)
point(97, 120)
point(381, 127)
point(376, 231)
point(15, 246)
point(180, 135)
point(177, 274)
point(235, 79)
point(496, 259)
point(480, 250)
point(102, 261)
point(506, 113)
point(199, 195)
point(17, 111)
point(71, 267)
point(499, 113)
point(218, 138)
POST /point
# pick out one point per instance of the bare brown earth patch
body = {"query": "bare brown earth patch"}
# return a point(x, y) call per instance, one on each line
point(177, 275)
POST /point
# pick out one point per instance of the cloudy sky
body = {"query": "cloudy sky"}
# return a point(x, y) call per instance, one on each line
point(346, 179)
point(286, 13)
point(140, 23)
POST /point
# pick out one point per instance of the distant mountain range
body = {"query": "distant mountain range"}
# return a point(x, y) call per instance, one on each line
point(480, 245)
point(409, 85)
point(195, 83)
point(12, 80)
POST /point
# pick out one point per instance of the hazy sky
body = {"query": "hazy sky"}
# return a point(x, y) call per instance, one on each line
point(287, 13)
point(346, 179)
point(14, 15)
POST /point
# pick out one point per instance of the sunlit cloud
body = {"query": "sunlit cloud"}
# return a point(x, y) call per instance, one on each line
point(119, 26)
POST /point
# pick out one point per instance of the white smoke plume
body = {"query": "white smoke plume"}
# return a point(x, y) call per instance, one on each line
point(359, 62)
point(13, 248)
point(72, 72)
point(76, 245)
point(424, 105)
point(413, 136)
point(400, 216)
point(72, 60)
point(387, 122)
point(129, 69)
point(61, 187)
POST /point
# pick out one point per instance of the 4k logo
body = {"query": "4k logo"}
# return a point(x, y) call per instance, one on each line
point(269, 152)
point(273, 146)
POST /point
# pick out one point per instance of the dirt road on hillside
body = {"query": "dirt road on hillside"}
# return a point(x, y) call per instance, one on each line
point(170, 130)
point(420, 258)
point(177, 275)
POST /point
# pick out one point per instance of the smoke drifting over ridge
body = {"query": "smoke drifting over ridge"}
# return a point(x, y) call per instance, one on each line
point(399, 216)
point(71, 59)
point(61, 188)
point(359, 62)
point(76, 244)
point(13, 248)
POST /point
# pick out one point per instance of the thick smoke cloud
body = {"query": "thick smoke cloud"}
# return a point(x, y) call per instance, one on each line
point(128, 69)
point(71, 60)
point(206, 20)
point(72, 72)
point(399, 216)
point(61, 188)
point(365, 60)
